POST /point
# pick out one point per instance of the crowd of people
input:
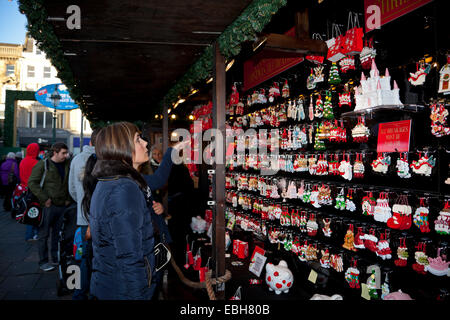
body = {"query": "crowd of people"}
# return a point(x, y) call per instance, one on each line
point(117, 187)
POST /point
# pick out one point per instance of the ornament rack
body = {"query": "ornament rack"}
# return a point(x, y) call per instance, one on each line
point(258, 228)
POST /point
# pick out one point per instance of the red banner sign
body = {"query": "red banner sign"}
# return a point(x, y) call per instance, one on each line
point(268, 64)
point(394, 136)
point(387, 10)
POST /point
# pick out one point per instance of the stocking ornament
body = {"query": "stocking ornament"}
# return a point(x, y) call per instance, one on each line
point(371, 241)
point(402, 253)
point(420, 218)
point(402, 211)
point(421, 258)
point(352, 275)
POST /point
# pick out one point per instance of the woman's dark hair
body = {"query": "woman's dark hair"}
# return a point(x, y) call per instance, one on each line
point(114, 148)
point(89, 183)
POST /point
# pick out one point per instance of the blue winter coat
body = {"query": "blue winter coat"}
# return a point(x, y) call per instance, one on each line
point(122, 240)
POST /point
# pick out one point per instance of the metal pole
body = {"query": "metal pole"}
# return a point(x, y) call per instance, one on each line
point(81, 133)
point(165, 145)
point(218, 115)
point(54, 124)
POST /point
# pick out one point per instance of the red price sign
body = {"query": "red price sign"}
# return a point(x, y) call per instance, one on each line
point(394, 136)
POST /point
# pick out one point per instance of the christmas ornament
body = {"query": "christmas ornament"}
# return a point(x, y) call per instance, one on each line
point(322, 166)
point(347, 63)
point(278, 277)
point(370, 240)
point(311, 109)
point(336, 262)
point(237, 295)
point(325, 259)
point(401, 218)
point(421, 258)
point(382, 211)
point(340, 200)
point(424, 165)
point(239, 108)
point(349, 204)
point(438, 266)
point(372, 286)
point(312, 225)
point(328, 107)
point(318, 113)
point(352, 275)
point(326, 227)
point(444, 77)
point(345, 168)
point(442, 223)
point(418, 78)
point(359, 239)
point(318, 74)
point(334, 77)
point(385, 289)
point(345, 99)
point(383, 249)
point(311, 252)
point(367, 54)
point(358, 166)
point(420, 217)
point(402, 253)
point(349, 239)
point(403, 166)
point(368, 204)
point(234, 98)
point(438, 118)
point(324, 197)
point(274, 92)
point(311, 81)
point(381, 163)
point(360, 132)
point(285, 90)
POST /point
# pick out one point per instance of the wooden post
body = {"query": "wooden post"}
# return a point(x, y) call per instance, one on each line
point(218, 117)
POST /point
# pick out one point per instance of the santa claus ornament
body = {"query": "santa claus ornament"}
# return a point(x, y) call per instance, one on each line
point(285, 90)
point(234, 98)
point(442, 223)
point(274, 92)
point(382, 211)
point(368, 204)
point(383, 249)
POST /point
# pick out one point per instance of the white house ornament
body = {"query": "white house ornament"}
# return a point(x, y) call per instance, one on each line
point(278, 277)
point(444, 77)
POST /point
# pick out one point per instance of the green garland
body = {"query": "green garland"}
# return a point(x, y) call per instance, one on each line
point(245, 28)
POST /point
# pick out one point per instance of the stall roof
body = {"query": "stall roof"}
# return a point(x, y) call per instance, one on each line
point(128, 54)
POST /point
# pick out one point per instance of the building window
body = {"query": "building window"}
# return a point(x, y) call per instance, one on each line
point(38, 51)
point(48, 120)
point(40, 119)
point(30, 71)
point(30, 120)
point(9, 70)
point(60, 122)
point(47, 72)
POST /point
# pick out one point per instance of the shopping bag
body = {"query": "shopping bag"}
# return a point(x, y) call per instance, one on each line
point(314, 58)
point(353, 43)
point(335, 47)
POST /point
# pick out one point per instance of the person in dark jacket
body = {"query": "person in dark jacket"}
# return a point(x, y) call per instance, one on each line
point(54, 199)
point(9, 169)
point(120, 217)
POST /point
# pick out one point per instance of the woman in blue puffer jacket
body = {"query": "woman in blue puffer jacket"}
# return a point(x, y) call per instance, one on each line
point(120, 217)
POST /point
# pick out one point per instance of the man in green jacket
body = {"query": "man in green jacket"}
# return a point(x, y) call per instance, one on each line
point(54, 198)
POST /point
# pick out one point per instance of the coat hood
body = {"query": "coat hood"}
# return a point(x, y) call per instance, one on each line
point(32, 150)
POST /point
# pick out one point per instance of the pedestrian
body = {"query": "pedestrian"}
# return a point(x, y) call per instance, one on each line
point(156, 156)
point(76, 176)
point(53, 197)
point(9, 173)
point(120, 217)
point(19, 157)
point(25, 167)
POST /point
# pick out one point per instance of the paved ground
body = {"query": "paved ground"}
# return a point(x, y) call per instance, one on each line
point(20, 276)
